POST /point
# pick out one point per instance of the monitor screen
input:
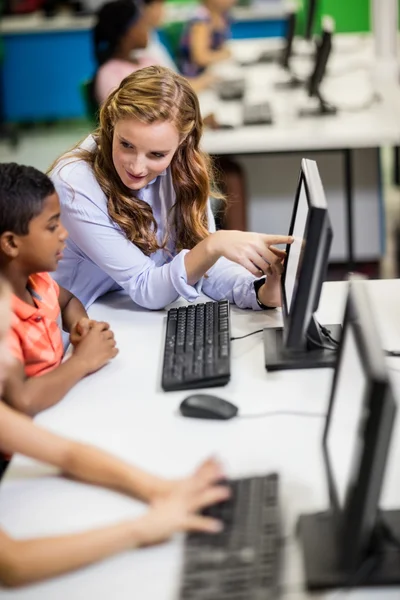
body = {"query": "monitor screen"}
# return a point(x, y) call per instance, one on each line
point(344, 437)
point(296, 249)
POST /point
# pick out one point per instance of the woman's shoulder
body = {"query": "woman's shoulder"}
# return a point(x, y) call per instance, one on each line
point(70, 165)
point(73, 174)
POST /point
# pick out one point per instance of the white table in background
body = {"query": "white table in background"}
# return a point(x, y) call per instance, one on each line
point(122, 409)
point(361, 126)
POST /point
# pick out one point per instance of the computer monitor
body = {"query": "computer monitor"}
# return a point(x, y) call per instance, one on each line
point(349, 544)
point(311, 7)
point(274, 55)
point(302, 343)
point(287, 52)
point(322, 54)
point(288, 47)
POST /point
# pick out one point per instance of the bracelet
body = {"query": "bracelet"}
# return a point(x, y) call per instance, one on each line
point(257, 284)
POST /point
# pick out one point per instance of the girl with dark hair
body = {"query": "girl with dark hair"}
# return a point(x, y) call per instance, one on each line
point(120, 29)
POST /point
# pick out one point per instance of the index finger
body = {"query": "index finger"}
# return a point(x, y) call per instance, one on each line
point(278, 239)
point(278, 252)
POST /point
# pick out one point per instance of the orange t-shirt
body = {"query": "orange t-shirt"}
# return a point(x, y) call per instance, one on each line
point(35, 336)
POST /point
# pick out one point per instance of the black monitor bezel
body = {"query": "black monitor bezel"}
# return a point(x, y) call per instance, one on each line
point(287, 50)
point(322, 55)
point(311, 10)
point(357, 519)
point(318, 231)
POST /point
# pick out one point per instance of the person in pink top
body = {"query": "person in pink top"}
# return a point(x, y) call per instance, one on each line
point(120, 29)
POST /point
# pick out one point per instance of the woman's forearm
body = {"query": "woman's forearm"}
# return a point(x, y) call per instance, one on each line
point(26, 561)
point(201, 258)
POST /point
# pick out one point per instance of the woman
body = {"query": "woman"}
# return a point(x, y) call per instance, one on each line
point(135, 201)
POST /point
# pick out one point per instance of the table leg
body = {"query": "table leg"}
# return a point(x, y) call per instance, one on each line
point(348, 192)
point(396, 165)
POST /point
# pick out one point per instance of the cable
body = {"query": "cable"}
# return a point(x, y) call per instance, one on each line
point(315, 343)
point(362, 573)
point(282, 413)
point(394, 353)
point(327, 334)
point(241, 337)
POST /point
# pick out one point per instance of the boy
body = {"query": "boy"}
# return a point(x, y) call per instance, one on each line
point(173, 504)
point(32, 239)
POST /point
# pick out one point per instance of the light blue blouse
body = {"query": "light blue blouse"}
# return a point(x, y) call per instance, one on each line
point(99, 258)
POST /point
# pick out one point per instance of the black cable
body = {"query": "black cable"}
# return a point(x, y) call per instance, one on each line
point(282, 413)
point(362, 573)
point(388, 534)
point(327, 334)
point(315, 343)
point(241, 337)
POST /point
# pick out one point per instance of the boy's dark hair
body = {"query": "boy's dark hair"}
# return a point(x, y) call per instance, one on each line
point(22, 193)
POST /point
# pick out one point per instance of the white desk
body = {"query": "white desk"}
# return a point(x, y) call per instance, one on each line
point(123, 410)
point(349, 84)
point(345, 144)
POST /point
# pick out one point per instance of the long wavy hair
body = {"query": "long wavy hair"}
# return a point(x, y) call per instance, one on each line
point(151, 95)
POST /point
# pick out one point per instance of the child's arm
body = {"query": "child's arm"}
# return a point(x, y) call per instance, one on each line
point(26, 561)
point(75, 319)
point(174, 506)
point(72, 309)
point(200, 46)
point(31, 395)
point(83, 462)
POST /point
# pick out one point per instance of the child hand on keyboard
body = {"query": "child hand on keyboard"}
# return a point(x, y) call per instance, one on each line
point(179, 509)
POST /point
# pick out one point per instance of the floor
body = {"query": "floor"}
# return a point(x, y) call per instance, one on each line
point(39, 147)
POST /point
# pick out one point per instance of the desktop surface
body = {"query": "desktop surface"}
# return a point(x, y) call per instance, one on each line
point(144, 427)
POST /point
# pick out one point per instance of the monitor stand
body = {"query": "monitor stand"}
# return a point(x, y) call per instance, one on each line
point(318, 538)
point(291, 84)
point(324, 109)
point(319, 352)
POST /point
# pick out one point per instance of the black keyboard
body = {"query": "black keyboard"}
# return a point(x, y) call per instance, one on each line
point(257, 114)
point(232, 89)
point(197, 347)
point(243, 561)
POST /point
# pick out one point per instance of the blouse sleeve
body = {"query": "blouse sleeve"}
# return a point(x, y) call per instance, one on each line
point(85, 216)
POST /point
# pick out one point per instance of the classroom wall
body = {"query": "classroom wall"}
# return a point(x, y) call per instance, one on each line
point(349, 15)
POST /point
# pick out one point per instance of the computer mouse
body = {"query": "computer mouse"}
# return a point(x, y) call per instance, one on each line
point(206, 406)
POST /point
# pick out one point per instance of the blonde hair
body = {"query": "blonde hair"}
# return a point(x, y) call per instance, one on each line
point(151, 95)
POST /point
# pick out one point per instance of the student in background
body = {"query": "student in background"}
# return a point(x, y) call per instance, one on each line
point(120, 30)
point(153, 12)
point(135, 199)
point(32, 241)
point(173, 505)
point(204, 39)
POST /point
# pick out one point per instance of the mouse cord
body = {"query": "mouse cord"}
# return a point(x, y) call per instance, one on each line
point(282, 413)
point(241, 337)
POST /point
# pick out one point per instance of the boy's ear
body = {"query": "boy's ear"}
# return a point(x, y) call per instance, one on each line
point(9, 244)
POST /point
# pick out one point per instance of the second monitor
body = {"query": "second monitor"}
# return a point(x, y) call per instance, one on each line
point(303, 343)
